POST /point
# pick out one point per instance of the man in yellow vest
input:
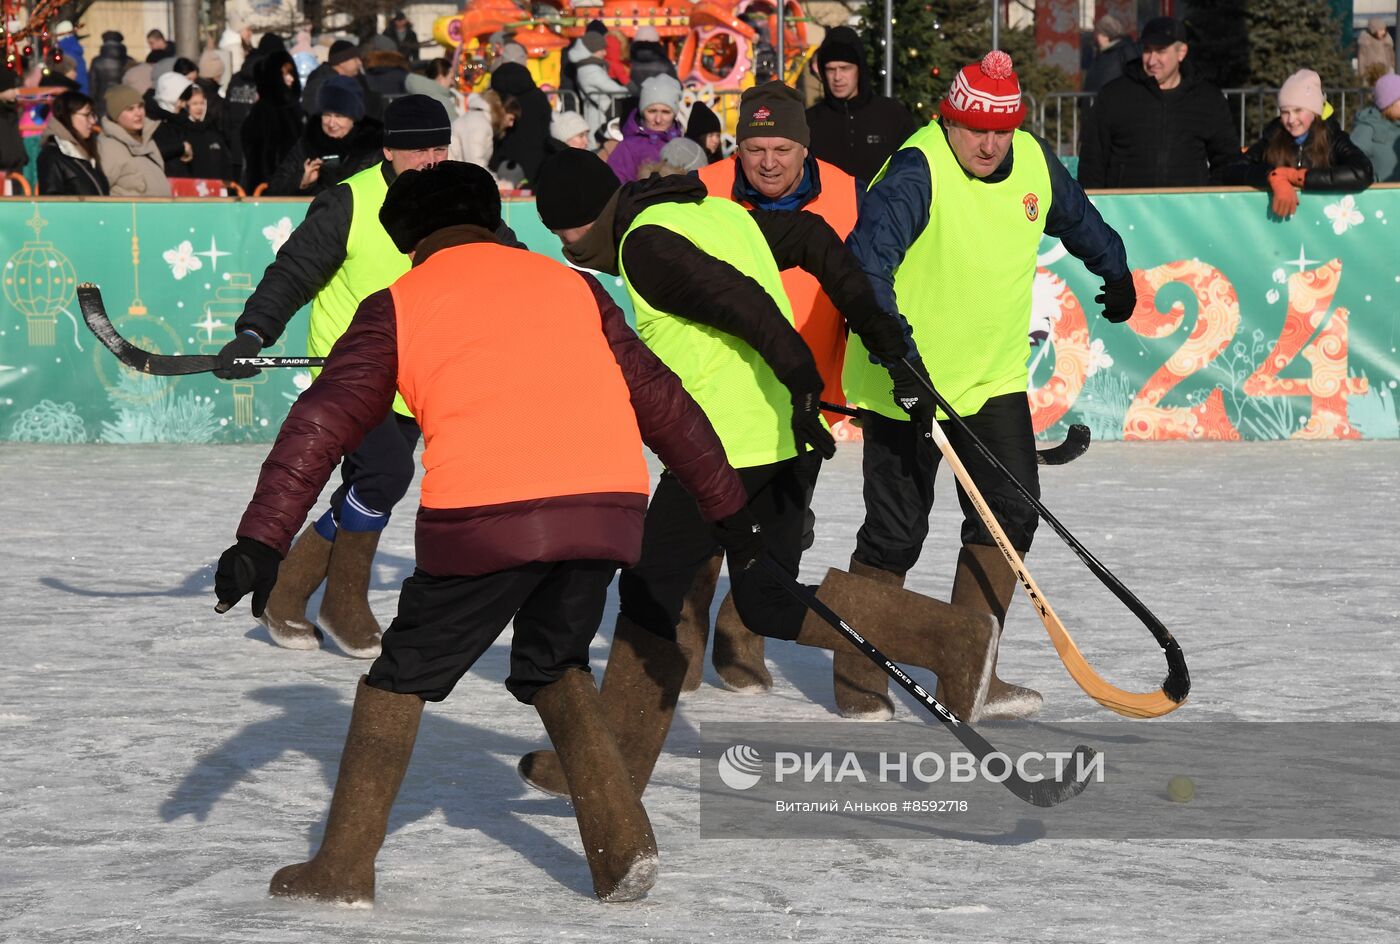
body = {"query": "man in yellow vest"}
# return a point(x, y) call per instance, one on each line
point(526, 512)
point(703, 276)
point(948, 235)
point(772, 170)
point(337, 257)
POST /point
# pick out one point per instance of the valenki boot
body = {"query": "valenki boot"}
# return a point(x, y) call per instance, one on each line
point(297, 578)
point(383, 727)
point(641, 684)
point(345, 614)
point(738, 655)
point(986, 582)
point(613, 824)
point(693, 630)
point(958, 644)
point(862, 688)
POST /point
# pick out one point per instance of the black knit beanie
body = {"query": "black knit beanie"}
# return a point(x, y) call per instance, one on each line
point(449, 193)
point(341, 50)
point(841, 44)
point(773, 110)
point(702, 121)
point(572, 187)
point(416, 121)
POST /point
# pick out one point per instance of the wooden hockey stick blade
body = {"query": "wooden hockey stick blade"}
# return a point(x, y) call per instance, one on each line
point(1174, 689)
point(163, 365)
point(1045, 792)
point(1075, 445)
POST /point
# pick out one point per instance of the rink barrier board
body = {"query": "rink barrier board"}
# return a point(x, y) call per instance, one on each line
point(1246, 328)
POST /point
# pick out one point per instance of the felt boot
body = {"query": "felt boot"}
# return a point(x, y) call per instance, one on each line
point(616, 834)
point(345, 614)
point(862, 688)
point(956, 643)
point(986, 582)
point(693, 630)
point(641, 684)
point(383, 727)
point(738, 654)
point(297, 579)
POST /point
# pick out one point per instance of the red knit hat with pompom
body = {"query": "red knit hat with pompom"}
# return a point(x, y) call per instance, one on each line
point(986, 95)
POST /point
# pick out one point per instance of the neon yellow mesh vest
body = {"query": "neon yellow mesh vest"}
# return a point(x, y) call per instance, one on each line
point(372, 262)
point(965, 283)
point(747, 405)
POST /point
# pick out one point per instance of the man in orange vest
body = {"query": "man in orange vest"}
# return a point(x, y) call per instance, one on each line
point(773, 170)
point(526, 513)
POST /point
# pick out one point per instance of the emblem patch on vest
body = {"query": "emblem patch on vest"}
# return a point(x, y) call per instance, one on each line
point(1032, 204)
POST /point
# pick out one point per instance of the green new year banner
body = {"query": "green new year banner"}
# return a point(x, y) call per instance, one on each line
point(1246, 328)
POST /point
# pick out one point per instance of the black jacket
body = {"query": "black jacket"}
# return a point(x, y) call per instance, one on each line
point(361, 148)
point(674, 276)
point(273, 124)
point(308, 259)
point(1348, 169)
point(12, 153)
point(213, 158)
point(61, 175)
point(167, 137)
point(1137, 135)
point(859, 134)
point(1109, 64)
point(648, 59)
point(524, 142)
point(107, 69)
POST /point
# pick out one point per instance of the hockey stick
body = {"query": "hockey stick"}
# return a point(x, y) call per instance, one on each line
point(1044, 792)
point(1177, 684)
point(1075, 445)
point(164, 365)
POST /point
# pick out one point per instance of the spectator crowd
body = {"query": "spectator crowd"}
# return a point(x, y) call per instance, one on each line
point(294, 116)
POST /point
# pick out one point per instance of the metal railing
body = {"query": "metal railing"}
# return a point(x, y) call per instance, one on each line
point(1059, 119)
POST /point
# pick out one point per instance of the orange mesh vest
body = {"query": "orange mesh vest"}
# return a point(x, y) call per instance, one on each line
point(496, 347)
point(813, 314)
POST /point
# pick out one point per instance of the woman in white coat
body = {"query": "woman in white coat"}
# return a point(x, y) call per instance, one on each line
point(476, 130)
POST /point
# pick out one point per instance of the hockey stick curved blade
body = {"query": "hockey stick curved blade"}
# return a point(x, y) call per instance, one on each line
point(1130, 704)
point(1075, 445)
point(1039, 793)
point(163, 365)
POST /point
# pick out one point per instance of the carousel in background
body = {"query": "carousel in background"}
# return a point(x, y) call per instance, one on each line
point(718, 47)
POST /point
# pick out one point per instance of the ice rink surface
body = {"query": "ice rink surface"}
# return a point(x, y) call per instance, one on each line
point(158, 762)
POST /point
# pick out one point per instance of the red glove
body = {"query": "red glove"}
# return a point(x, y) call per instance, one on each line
point(1285, 182)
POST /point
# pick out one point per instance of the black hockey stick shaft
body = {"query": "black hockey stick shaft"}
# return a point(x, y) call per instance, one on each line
point(1178, 681)
point(164, 365)
point(1041, 793)
point(1075, 445)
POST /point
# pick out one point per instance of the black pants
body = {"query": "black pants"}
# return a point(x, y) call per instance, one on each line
point(444, 625)
point(677, 541)
point(899, 470)
point(381, 469)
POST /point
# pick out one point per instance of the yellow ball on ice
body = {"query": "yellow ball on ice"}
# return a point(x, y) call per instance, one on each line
point(1181, 789)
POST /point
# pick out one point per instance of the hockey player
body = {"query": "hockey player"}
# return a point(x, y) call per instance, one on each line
point(337, 257)
point(772, 170)
point(703, 275)
point(526, 513)
point(949, 233)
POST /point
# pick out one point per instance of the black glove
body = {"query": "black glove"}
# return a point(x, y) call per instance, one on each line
point(248, 565)
point(911, 391)
point(245, 344)
point(741, 537)
point(1118, 299)
point(807, 426)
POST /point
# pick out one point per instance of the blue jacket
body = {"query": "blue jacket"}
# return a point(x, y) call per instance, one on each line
point(896, 209)
point(73, 49)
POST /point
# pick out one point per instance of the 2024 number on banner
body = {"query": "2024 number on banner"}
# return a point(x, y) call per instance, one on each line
point(1307, 331)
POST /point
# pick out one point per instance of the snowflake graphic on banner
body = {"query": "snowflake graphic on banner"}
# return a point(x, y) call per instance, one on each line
point(278, 233)
point(182, 260)
point(1344, 214)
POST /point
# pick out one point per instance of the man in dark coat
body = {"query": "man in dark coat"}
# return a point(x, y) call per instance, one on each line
point(852, 127)
point(275, 121)
point(1115, 50)
point(405, 40)
point(109, 65)
point(1160, 124)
